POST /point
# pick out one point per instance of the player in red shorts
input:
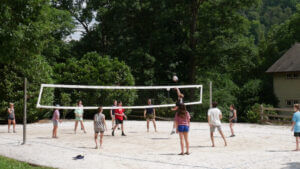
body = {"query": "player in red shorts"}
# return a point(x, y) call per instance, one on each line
point(119, 116)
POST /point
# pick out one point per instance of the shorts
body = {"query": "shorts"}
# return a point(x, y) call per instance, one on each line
point(118, 121)
point(11, 118)
point(149, 116)
point(183, 128)
point(78, 119)
point(213, 128)
point(233, 121)
point(55, 122)
point(99, 130)
point(297, 134)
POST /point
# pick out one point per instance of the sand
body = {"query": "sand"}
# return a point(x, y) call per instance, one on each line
point(255, 146)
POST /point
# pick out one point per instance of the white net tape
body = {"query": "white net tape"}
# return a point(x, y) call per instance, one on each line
point(117, 87)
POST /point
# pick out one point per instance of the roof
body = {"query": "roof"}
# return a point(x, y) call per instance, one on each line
point(289, 62)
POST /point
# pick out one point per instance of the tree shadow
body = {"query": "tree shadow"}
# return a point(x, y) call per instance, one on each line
point(87, 147)
point(292, 165)
point(169, 154)
point(44, 137)
point(160, 138)
point(278, 151)
point(199, 146)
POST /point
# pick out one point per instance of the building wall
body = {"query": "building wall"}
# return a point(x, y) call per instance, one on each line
point(287, 88)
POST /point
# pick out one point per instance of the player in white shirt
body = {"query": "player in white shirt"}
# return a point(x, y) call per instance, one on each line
point(214, 117)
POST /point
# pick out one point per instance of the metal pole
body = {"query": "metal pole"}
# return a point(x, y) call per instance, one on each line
point(25, 112)
point(210, 94)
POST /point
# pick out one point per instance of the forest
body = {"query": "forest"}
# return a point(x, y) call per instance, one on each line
point(134, 42)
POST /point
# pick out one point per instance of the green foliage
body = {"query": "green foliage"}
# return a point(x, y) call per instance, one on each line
point(93, 69)
point(253, 114)
point(65, 99)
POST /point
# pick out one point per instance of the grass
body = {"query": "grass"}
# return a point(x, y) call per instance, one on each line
point(7, 163)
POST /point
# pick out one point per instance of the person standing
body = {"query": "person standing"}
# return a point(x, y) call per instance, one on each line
point(119, 114)
point(55, 120)
point(179, 101)
point(214, 117)
point(11, 117)
point(182, 123)
point(99, 126)
point(112, 114)
point(296, 125)
point(79, 116)
point(232, 119)
point(149, 114)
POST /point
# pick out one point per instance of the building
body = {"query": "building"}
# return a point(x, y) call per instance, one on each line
point(286, 77)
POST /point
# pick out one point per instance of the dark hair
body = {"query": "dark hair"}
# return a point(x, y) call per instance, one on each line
point(119, 102)
point(232, 105)
point(100, 109)
point(214, 104)
point(181, 110)
point(78, 102)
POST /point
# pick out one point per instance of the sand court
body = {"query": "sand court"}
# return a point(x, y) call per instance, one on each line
point(255, 146)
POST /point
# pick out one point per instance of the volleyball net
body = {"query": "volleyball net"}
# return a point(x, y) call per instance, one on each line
point(132, 97)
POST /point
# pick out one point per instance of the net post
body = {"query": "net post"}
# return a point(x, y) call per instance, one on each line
point(210, 94)
point(25, 111)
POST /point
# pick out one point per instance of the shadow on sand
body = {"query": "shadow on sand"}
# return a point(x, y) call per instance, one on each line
point(292, 165)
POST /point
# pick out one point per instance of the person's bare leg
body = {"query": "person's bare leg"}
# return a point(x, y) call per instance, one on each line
point(297, 144)
point(221, 133)
point(231, 129)
point(14, 125)
point(76, 124)
point(181, 143)
point(147, 125)
point(95, 138)
point(112, 122)
point(9, 122)
point(101, 139)
point(154, 124)
point(187, 144)
point(212, 139)
point(82, 126)
point(122, 127)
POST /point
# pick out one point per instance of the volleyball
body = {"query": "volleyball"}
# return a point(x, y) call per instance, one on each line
point(175, 78)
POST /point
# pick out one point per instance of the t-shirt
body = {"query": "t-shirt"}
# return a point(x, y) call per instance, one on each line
point(149, 110)
point(98, 118)
point(78, 113)
point(214, 114)
point(119, 111)
point(296, 119)
point(56, 115)
point(183, 121)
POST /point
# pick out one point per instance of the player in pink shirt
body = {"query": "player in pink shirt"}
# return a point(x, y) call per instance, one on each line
point(182, 122)
point(55, 120)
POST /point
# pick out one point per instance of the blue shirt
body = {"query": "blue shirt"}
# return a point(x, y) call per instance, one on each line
point(296, 119)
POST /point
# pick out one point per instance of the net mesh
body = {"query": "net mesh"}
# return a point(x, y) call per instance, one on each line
point(133, 97)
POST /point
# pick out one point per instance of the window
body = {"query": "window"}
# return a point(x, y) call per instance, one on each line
point(291, 102)
point(292, 75)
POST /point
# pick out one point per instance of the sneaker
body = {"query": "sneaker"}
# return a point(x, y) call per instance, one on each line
point(123, 134)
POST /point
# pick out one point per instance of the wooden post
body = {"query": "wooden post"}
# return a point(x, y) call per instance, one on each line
point(25, 111)
point(261, 113)
point(210, 94)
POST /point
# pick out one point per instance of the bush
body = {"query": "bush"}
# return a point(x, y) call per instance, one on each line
point(253, 115)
